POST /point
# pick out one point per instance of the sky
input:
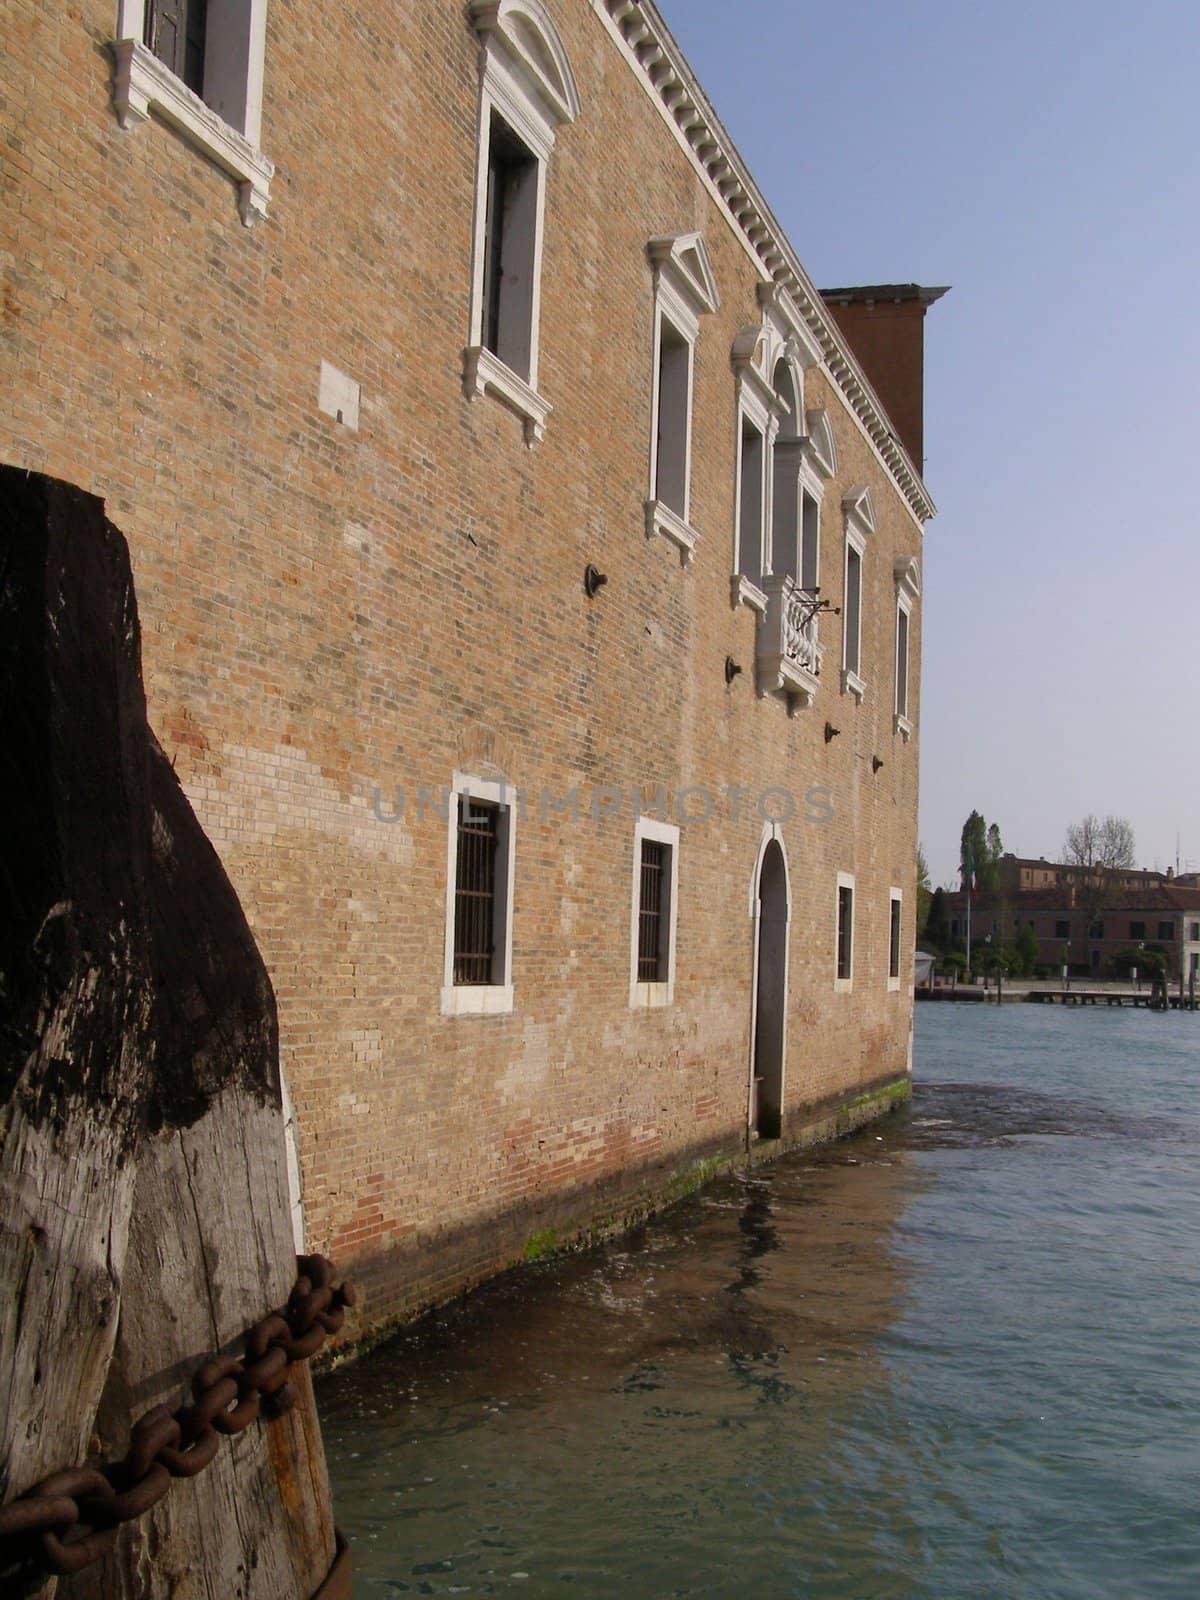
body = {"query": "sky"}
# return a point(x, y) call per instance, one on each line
point(1044, 160)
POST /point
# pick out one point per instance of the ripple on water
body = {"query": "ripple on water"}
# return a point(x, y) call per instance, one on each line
point(953, 1357)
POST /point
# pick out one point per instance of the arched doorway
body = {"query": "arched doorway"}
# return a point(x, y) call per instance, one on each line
point(770, 993)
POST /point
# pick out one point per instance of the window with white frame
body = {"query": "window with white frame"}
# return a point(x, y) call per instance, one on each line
point(527, 92)
point(787, 465)
point(510, 229)
point(819, 463)
point(895, 924)
point(844, 946)
point(480, 866)
point(908, 587)
point(758, 411)
point(655, 892)
point(860, 524)
point(781, 469)
point(198, 66)
point(684, 291)
point(903, 612)
point(852, 614)
point(672, 442)
point(751, 527)
point(810, 548)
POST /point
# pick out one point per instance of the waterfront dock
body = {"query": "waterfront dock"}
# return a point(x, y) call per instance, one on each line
point(1110, 997)
point(1045, 992)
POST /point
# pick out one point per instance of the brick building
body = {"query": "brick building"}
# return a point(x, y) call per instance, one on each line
point(1020, 874)
point(1072, 924)
point(386, 332)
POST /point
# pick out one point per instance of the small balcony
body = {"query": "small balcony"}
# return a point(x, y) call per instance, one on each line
point(789, 655)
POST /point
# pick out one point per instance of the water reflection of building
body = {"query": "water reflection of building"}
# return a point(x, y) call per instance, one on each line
point(702, 1379)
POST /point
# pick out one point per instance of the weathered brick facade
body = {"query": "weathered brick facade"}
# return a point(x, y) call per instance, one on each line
point(331, 615)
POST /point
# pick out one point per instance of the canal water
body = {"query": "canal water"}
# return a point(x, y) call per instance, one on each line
point(956, 1356)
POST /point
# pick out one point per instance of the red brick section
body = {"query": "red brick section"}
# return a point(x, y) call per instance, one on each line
point(327, 613)
point(884, 325)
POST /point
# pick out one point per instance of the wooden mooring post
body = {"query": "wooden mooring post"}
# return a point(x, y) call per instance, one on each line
point(144, 1211)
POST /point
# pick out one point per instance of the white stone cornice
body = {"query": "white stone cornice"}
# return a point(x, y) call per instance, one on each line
point(907, 570)
point(682, 260)
point(661, 520)
point(638, 28)
point(142, 84)
point(753, 389)
point(820, 443)
point(485, 373)
point(525, 34)
point(860, 510)
point(746, 345)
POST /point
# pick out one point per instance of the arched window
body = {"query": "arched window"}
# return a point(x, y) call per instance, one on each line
point(786, 502)
point(780, 481)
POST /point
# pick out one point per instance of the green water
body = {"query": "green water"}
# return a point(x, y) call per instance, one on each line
point(956, 1356)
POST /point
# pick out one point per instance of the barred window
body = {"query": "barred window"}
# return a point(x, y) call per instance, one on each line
point(845, 932)
point(894, 943)
point(477, 971)
point(652, 923)
point(652, 913)
point(475, 890)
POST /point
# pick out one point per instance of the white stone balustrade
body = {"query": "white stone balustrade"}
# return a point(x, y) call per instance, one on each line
point(789, 652)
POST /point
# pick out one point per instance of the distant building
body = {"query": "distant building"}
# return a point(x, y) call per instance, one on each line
point(1020, 875)
point(1160, 915)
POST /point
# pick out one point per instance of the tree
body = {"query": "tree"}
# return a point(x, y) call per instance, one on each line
point(1027, 949)
point(937, 924)
point(995, 848)
point(1100, 847)
point(1098, 851)
point(924, 894)
point(1146, 959)
point(980, 849)
point(954, 965)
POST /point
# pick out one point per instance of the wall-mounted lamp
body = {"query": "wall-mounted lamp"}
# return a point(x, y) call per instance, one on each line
point(876, 763)
point(831, 732)
point(593, 579)
point(731, 669)
point(816, 607)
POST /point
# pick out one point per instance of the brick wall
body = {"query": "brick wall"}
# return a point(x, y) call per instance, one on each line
point(329, 614)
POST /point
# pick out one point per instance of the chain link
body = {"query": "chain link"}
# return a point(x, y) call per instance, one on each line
point(70, 1519)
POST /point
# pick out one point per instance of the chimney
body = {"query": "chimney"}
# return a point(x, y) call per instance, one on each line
point(884, 325)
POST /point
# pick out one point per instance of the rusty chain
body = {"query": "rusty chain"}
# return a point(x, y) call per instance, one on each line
point(71, 1518)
